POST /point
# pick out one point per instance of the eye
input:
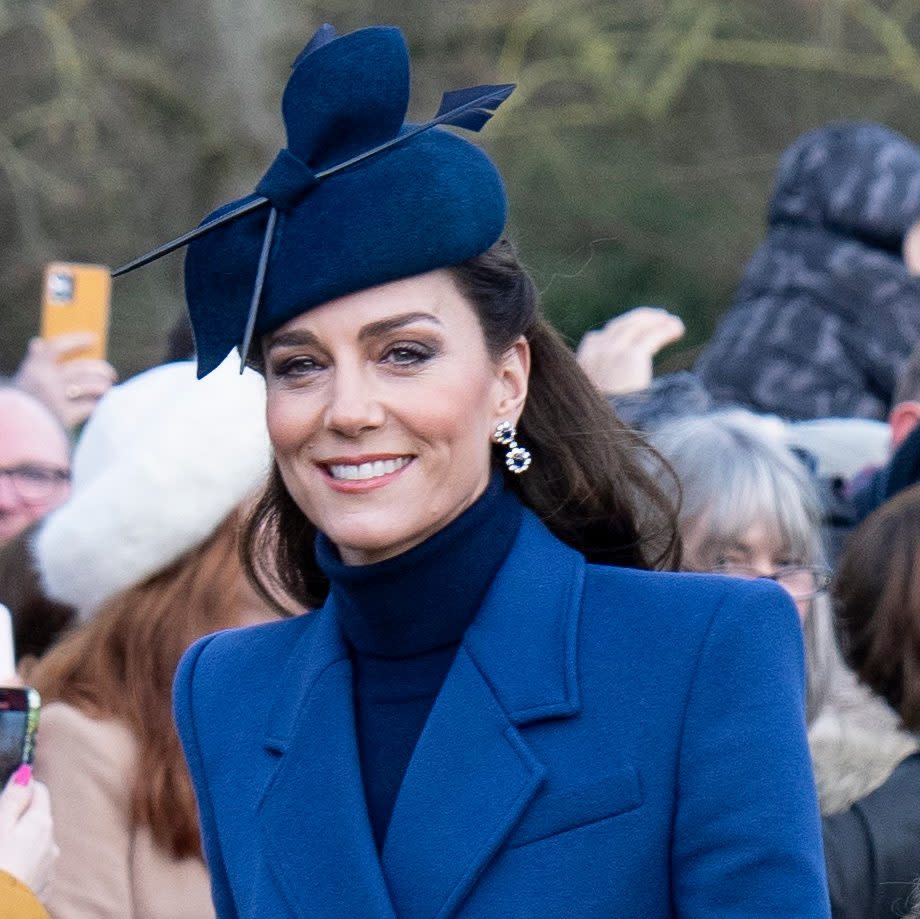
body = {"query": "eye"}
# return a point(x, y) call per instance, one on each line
point(35, 474)
point(790, 563)
point(730, 558)
point(408, 354)
point(299, 366)
point(731, 562)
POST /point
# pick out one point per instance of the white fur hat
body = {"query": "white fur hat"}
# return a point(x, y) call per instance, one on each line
point(162, 461)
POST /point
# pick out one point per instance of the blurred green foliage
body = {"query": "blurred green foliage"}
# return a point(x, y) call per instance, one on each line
point(638, 150)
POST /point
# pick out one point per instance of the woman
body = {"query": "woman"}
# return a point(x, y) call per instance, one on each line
point(487, 716)
point(147, 551)
point(873, 848)
point(748, 508)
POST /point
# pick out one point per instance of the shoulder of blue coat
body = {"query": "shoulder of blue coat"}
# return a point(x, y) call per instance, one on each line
point(243, 659)
point(226, 682)
point(683, 600)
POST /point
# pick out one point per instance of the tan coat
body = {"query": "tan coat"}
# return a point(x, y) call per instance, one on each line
point(108, 869)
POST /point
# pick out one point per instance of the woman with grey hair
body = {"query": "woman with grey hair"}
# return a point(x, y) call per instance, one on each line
point(748, 508)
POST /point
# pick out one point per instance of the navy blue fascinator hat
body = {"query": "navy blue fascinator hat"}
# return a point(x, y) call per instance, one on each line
point(359, 197)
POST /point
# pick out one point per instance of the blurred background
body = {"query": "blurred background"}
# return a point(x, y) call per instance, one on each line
point(638, 150)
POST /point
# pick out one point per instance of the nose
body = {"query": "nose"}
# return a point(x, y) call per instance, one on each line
point(9, 497)
point(764, 571)
point(354, 403)
point(764, 564)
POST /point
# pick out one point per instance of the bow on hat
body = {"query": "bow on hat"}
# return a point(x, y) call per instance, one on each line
point(358, 197)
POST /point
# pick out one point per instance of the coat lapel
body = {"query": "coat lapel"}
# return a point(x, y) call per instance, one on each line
point(472, 776)
point(313, 815)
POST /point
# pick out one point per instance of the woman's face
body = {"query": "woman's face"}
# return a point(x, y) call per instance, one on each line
point(758, 549)
point(381, 405)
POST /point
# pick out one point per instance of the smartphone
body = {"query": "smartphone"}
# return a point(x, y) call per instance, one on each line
point(76, 297)
point(19, 707)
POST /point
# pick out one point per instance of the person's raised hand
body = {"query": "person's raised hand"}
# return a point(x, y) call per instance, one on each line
point(27, 848)
point(69, 386)
point(618, 357)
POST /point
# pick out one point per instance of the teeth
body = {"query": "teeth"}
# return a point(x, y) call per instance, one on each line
point(368, 470)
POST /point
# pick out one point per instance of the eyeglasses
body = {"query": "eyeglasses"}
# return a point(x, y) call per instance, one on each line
point(34, 483)
point(802, 581)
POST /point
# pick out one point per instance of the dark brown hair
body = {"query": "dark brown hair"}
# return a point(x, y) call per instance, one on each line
point(38, 621)
point(588, 481)
point(122, 662)
point(877, 602)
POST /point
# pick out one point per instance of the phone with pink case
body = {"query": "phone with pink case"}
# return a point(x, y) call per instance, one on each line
point(19, 707)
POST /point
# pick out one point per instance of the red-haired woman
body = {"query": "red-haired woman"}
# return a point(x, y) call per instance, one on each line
point(157, 566)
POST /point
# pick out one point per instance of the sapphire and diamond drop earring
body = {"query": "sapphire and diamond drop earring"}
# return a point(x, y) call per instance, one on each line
point(518, 458)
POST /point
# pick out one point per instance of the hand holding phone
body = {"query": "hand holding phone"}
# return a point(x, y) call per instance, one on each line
point(27, 847)
point(69, 386)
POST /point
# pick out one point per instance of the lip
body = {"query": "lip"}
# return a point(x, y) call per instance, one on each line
point(354, 486)
point(362, 458)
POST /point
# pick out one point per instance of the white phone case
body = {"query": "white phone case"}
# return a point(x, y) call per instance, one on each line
point(7, 651)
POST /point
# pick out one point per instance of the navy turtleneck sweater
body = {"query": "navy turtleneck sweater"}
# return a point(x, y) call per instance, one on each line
point(403, 619)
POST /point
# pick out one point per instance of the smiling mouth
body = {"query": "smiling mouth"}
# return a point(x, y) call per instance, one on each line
point(362, 472)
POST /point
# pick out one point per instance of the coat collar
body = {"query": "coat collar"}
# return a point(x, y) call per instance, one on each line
point(471, 775)
point(524, 638)
point(313, 816)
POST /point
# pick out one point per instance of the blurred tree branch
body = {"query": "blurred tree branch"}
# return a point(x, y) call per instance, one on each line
point(634, 66)
point(111, 137)
point(643, 132)
point(903, 11)
point(76, 107)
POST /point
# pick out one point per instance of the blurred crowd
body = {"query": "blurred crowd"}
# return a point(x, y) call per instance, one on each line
point(795, 440)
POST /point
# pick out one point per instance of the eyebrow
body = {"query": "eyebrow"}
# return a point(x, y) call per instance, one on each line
point(300, 337)
point(292, 338)
point(743, 548)
point(385, 326)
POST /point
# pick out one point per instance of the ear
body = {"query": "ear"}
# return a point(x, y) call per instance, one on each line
point(911, 249)
point(903, 418)
point(512, 374)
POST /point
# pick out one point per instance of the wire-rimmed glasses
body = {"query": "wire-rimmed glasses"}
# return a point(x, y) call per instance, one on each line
point(35, 483)
point(801, 581)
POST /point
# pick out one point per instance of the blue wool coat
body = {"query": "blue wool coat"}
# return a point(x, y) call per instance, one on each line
point(607, 743)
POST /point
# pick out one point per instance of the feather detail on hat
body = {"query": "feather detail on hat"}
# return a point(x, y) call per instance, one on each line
point(161, 463)
point(356, 199)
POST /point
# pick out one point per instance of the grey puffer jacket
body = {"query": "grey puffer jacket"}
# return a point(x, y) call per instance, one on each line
point(826, 313)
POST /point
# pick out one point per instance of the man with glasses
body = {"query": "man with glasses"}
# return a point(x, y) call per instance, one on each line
point(34, 461)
